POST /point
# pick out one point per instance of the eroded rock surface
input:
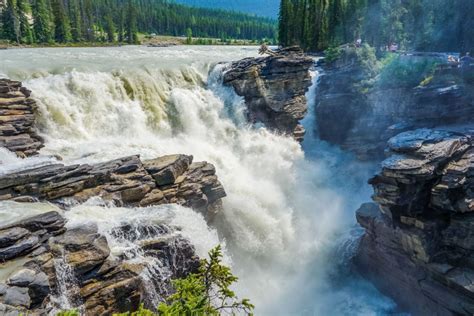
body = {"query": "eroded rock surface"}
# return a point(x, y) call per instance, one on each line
point(17, 118)
point(125, 181)
point(362, 120)
point(418, 243)
point(74, 267)
point(274, 89)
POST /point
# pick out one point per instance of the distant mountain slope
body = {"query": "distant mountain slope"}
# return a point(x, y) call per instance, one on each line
point(268, 8)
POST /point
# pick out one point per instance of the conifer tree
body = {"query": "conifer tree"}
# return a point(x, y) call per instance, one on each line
point(41, 24)
point(75, 18)
point(26, 34)
point(62, 31)
point(10, 21)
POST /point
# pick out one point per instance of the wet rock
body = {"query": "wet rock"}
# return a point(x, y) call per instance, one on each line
point(165, 170)
point(274, 89)
point(82, 248)
point(418, 241)
point(23, 278)
point(17, 296)
point(27, 235)
point(17, 118)
point(124, 181)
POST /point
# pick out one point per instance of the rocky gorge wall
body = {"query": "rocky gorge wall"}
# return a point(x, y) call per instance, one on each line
point(274, 89)
point(44, 261)
point(368, 118)
point(419, 236)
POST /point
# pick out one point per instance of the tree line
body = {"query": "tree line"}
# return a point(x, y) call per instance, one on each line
point(65, 21)
point(423, 25)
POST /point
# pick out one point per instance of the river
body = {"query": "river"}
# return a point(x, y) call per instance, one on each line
point(288, 225)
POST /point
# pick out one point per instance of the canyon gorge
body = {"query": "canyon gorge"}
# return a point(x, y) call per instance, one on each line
point(115, 178)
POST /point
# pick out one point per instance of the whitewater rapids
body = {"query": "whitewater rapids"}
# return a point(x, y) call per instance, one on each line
point(288, 220)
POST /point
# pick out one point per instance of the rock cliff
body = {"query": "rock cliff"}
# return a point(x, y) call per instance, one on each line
point(419, 237)
point(274, 89)
point(126, 181)
point(17, 117)
point(362, 119)
point(50, 264)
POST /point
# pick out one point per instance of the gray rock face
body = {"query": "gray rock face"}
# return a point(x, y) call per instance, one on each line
point(27, 235)
point(274, 89)
point(125, 181)
point(362, 122)
point(17, 118)
point(77, 263)
point(419, 236)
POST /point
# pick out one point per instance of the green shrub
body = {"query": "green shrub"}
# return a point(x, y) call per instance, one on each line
point(400, 71)
point(332, 54)
point(206, 292)
point(71, 312)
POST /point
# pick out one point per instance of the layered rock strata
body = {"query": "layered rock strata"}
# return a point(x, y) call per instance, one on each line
point(126, 181)
point(52, 267)
point(17, 118)
point(362, 120)
point(419, 236)
point(274, 89)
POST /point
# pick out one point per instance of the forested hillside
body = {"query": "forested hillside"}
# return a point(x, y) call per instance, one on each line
point(268, 8)
point(426, 25)
point(63, 21)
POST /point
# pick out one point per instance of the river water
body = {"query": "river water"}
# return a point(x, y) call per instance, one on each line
point(288, 225)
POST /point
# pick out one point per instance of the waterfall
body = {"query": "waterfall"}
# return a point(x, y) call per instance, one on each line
point(287, 210)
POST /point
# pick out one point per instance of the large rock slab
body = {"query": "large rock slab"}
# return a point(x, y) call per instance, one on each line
point(125, 181)
point(17, 118)
point(419, 237)
point(274, 89)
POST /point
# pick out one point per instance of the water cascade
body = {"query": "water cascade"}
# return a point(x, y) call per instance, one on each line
point(288, 223)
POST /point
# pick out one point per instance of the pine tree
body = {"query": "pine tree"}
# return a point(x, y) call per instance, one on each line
point(285, 17)
point(41, 25)
point(75, 18)
point(26, 34)
point(110, 28)
point(132, 33)
point(121, 26)
point(62, 31)
point(10, 21)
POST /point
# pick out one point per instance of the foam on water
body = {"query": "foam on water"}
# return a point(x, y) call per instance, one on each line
point(287, 211)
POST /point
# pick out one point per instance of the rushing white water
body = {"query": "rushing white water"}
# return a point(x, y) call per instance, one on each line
point(287, 212)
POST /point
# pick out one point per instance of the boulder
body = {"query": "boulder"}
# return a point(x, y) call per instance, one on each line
point(418, 241)
point(125, 182)
point(17, 119)
point(274, 88)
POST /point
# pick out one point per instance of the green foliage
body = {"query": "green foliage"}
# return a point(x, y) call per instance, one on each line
point(405, 72)
point(206, 292)
point(65, 21)
point(332, 54)
point(189, 36)
point(424, 25)
point(142, 311)
point(72, 312)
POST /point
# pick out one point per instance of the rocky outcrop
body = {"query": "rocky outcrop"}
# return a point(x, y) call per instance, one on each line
point(53, 267)
point(274, 89)
point(17, 117)
point(125, 181)
point(362, 119)
point(418, 242)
